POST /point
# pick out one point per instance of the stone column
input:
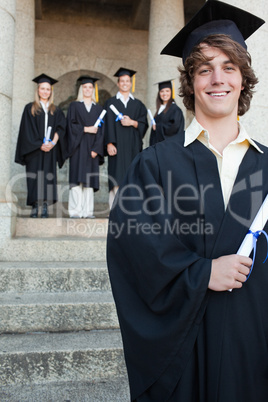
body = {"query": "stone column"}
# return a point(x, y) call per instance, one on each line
point(166, 19)
point(255, 120)
point(23, 87)
point(7, 34)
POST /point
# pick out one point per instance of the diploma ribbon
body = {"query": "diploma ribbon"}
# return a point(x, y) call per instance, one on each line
point(101, 121)
point(47, 140)
point(119, 117)
point(256, 235)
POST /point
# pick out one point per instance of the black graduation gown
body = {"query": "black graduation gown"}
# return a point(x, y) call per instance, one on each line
point(182, 341)
point(83, 168)
point(128, 140)
point(167, 124)
point(40, 166)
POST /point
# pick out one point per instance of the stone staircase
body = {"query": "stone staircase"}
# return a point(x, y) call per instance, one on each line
point(60, 338)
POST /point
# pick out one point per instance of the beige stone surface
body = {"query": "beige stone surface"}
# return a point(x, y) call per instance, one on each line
point(255, 120)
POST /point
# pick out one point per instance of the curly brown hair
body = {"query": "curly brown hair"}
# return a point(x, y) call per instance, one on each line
point(238, 56)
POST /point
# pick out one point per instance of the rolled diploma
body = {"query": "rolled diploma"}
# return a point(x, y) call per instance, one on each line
point(47, 136)
point(103, 113)
point(257, 224)
point(151, 117)
point(113, 108)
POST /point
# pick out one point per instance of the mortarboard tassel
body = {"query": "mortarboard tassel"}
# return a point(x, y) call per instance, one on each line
point(96, 93)
point(133, 82)
point(173, 90)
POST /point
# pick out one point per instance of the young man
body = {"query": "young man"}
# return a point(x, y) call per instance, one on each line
point(123, 138)
point(180, 217)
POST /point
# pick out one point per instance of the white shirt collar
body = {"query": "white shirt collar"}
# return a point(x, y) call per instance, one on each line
point(195, 129)
point(94, 103)
point(161, 108)
point(123, 100)
point(44, 106)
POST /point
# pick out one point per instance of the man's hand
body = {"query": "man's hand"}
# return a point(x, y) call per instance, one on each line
point(126, 121)
point(93, 154)
point(229, 272)
point(47, 147)
point(111, 149)
point(91, 130)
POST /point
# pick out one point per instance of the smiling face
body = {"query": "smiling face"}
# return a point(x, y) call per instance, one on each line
point(44, 91)
point(165, 95)
point(87, 90)
point(124, 83)
point(217, 86)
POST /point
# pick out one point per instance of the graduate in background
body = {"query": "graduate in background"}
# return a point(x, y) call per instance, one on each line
point(168, 117)
point(178, 220)
point(39, 157)
point(123, 138)
point(85, 149)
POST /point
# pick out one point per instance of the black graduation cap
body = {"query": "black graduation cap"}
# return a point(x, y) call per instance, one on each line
point(44, 78)
point(86, 79)
point(215, 17)
point(124, 71)
point(164, 84)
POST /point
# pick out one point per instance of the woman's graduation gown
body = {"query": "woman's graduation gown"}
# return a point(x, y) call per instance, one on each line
point(167, 124)
point(182, 341)
point(83, 168)
point(40, 166)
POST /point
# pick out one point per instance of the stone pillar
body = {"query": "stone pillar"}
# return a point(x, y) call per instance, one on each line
point(23, 87)
point(166, 19)
point(255, 120)
point(7, 34)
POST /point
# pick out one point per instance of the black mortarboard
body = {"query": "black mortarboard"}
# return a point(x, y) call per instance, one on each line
point(44, 78)
point(215, 17)
point(86, 79)
point(164, 84)
point(124, 71)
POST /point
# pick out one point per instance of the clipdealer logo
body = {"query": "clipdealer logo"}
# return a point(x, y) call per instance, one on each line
point(133, 227)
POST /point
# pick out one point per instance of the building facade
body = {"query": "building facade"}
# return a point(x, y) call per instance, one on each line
point(67, 38)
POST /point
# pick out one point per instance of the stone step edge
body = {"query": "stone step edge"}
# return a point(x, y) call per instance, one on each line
point(43, 342)
point(56, 298)
point(57, 312)
point(54, 249)
point(44, 358)
point(24, 277)
point(115, 390)
point(61, 227)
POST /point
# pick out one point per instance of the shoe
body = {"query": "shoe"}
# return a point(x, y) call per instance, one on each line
point(44, 211)
point(34, 212)
point(90, 217)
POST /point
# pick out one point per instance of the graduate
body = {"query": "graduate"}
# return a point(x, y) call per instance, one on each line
point(123, 137)
point(168, 117)
point(177, 223)
point(41, 119)
point(85, 148)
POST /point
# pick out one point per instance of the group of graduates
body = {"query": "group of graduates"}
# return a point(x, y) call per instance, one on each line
point(193, 311)
point(88, 134)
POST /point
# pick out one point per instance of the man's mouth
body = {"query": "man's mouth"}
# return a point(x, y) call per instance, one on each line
point(218, 94)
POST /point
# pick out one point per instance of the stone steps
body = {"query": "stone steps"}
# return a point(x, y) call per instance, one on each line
point(57, 312)
point(111, 390)
point(61, 227)
point(59, 276)
point(59, 332)
point(60, 361)
point(53, 249)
